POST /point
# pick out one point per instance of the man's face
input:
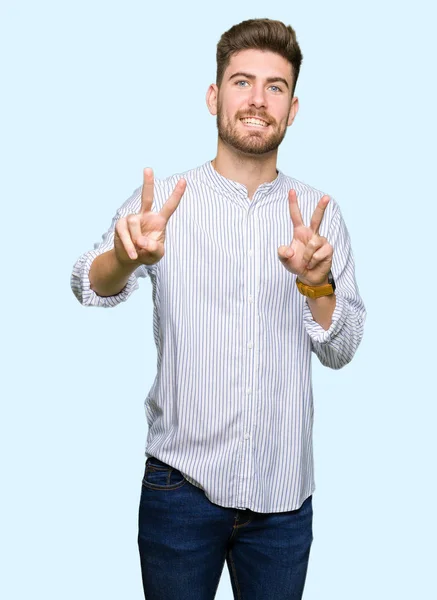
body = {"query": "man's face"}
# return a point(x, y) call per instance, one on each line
point(255, 84)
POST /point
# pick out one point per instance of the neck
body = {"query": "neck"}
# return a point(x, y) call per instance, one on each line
point(249, 170)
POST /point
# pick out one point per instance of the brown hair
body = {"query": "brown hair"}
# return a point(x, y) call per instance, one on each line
point(259, 34)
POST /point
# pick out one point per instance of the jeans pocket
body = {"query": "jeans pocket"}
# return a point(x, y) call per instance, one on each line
point(160, 476)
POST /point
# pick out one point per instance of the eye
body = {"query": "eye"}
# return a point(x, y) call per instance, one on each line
point(277, 88)
point(241, 81)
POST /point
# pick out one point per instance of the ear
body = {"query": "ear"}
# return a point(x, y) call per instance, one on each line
point(212, 98)
point(293, 110)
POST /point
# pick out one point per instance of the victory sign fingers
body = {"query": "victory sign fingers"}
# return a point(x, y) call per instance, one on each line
point(317, 216)
point(141, 236)
point(147, 195)
point(309, 255)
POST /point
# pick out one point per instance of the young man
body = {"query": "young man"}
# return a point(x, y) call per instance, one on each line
point(252, 271)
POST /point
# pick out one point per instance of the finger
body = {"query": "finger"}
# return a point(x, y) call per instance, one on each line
point(317, 217)
point(147, 190)
point(173, 202)
point(313, 245)
point(134, 227)
point(124, 235)
point(295, 214)
point(324, 254)
point(285, 252)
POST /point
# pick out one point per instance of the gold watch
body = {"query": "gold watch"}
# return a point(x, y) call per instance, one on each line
point(317, 291)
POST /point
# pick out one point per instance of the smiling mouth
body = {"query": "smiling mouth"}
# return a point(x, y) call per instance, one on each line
point(254, 122)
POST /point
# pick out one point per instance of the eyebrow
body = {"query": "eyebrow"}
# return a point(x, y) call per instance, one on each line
point(268, 80)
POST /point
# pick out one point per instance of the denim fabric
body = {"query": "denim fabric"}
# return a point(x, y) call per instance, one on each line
point(184, 541)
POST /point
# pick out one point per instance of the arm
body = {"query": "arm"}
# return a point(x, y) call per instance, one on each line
point(336, 345)
point(98, 293)
point(130, 248)
point(322, 309)
point(108, 276)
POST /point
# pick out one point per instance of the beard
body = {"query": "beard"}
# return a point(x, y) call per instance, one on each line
point(252, 141)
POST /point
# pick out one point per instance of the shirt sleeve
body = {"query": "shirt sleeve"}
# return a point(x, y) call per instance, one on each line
point(79, 281)
point(336, 346)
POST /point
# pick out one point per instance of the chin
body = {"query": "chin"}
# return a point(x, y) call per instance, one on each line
point(256, 149)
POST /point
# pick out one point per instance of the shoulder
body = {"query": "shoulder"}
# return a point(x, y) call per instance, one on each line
point(164, 187)
point(303, 188)
point(191, 176)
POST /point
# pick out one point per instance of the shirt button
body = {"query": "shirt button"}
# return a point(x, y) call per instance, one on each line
point(250, 345)
point(249, 390)
point(250, 252)
point(250, 299)
point(246, 436)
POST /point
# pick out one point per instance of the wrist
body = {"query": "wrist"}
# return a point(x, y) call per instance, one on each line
point(325, 281)
point(324, 288)
point(124, 265)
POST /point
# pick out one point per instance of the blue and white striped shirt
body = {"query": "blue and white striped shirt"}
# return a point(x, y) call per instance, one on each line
point(231, 406)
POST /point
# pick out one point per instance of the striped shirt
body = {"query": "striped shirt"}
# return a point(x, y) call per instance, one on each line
point(231, 406)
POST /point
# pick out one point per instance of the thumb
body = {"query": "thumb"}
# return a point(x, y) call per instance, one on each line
point(285, 252)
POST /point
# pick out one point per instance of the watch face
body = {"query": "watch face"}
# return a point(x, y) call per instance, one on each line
point(331, 280)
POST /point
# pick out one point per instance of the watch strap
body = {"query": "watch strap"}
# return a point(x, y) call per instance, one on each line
point(315, 291)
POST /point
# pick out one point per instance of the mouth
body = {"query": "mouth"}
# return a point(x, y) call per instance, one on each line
point(254, 122)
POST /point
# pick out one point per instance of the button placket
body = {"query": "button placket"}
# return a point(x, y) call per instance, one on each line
point(246, 464)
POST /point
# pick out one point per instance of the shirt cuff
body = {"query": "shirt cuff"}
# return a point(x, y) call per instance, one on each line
point(316, 331)
point(80, 284)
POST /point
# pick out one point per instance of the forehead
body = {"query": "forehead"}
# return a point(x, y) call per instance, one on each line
point(261, 63)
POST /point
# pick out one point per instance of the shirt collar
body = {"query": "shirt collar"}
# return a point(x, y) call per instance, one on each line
point(232, 188)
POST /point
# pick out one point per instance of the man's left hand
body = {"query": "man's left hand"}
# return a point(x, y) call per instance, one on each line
point(309, 256)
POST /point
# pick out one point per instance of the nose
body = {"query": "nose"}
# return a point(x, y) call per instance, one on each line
point(258, 96)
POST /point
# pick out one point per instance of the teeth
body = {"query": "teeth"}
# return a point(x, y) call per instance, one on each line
point(253, 121)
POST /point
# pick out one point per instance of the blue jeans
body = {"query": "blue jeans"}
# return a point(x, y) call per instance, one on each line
point(184, 540)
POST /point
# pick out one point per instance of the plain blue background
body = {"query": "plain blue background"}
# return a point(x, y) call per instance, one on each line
point(94, 91)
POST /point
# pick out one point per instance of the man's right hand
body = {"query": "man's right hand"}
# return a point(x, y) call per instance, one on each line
point(139, 238)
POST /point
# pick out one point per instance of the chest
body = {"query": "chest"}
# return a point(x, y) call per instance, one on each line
point(227, 251)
